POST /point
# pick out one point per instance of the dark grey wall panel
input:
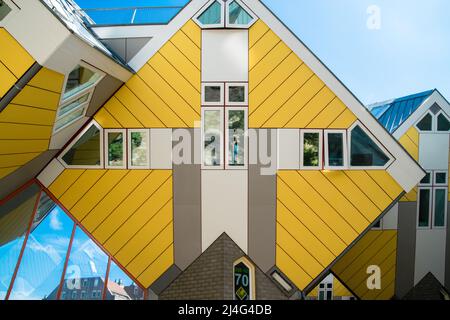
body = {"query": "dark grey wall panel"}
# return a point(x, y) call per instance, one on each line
point(103, 91)
point(29, 171)
point(406, 248)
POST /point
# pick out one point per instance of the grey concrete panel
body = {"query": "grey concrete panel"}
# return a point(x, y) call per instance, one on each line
point(103, 91)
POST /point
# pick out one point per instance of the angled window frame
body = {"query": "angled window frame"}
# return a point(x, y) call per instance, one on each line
point(228, 166)
point(433, 208)
point(433, 123)
point(74, 141)
point(222, 139)
point(345, 152)
point(321, 153)
point(222, 94)
point(206, 7)
point(129, 151)
point(67, 101)
point(106, 132)
point(227, 93)
point(375, 140)
point(239, 26)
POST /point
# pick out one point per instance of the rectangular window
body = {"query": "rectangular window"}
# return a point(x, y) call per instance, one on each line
point(236, 127)
point(138, 149)
point(115, 148)
point(335, 149)
point(237, 94)
point(212, 137)
point(212, 94)
point(311, 149)
point(440, 178)
point(440, 207)
point(424, 207)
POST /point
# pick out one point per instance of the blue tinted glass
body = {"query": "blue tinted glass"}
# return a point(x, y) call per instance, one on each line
point(86, 270)
point(237, 15)
point(15, 216)
point(43, 261)
point(122, 287)
point(365, 152)
point(212, 15)
point(335, 149)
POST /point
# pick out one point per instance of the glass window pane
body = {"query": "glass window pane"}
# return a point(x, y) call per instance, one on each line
point(424, 207)
point(364, 151)
point(79, 79)
point(311, 149)
point(121, 287)
point(439, 207)
point(4, 10)
point(15, 216)
point(70, 106)
point(43, 260)
point(236, 94)
point(443, 123)
point(139, 149)
point(115, 149)
point(426, 124)
point(329, 295)
point(236, 137)
point(441, 177)
point(86, 269)
point(237, 15)
point(426, 179)
point(212, 15)
point(86, 151)
point(70, 118)
point(212, 133)
point(335, 149)
point(321, 295)
point(213, 93)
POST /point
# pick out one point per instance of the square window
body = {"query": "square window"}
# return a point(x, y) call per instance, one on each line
point(237, 94)
point(212, 94)
point(440, 178)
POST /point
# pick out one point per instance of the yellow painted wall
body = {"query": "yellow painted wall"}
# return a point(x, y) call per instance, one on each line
point(14, 61)
point(129, 212)
point(166, 92)
point(375, 248)
point(26, 124)
point(284, 92)
point(319, 214)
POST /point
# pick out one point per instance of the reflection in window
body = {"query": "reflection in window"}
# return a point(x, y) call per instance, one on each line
point(442, 123)
point(237, 15)
point(212, 15)
point(311, 149)
point(236, 94)
point(335, 149)
point(236, 137)
point(139, 148)
point(440, 203)
point(86, 151)
point(121, 287)
point(424, 207)
point(44, 256)
point(426, 124)
point(15, 216)
point(213, 94)
point(86, 262)
point(364, 151)
point(79, 79)
point(212, 128)
point(115, 149)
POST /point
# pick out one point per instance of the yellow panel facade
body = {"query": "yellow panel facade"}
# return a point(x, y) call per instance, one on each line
point(129, 212)
point(339, 291)
point(376, 248)
point(317, 217)
point(165, 92)
point(26, 124)
point(284, 92)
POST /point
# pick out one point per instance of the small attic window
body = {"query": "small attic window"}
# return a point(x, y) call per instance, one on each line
point(426, 124)
point(237, 15)
point(212, 16)
point(443, 124)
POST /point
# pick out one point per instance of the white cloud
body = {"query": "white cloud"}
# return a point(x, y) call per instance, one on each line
point(55, 223)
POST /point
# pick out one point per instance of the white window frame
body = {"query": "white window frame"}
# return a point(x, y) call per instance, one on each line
point(430, 208)
point(71, 144)
point(222, 93)
point(239, 26)
point(129, 151)
point(211, 26)
point(227, 93)
point(345, 150)
point(325, 290)
point(302, 134)
point(124, 148)
point(433, 216)
point(222, 145)
point(88, 90)
point(433, 123)
point(252, 280)
point(375, 140)
point(445, 184)
point(227, 164)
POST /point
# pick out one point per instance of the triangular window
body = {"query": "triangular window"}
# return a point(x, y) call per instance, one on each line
point(364, 151)
point(212, 16)
point(237, 15)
